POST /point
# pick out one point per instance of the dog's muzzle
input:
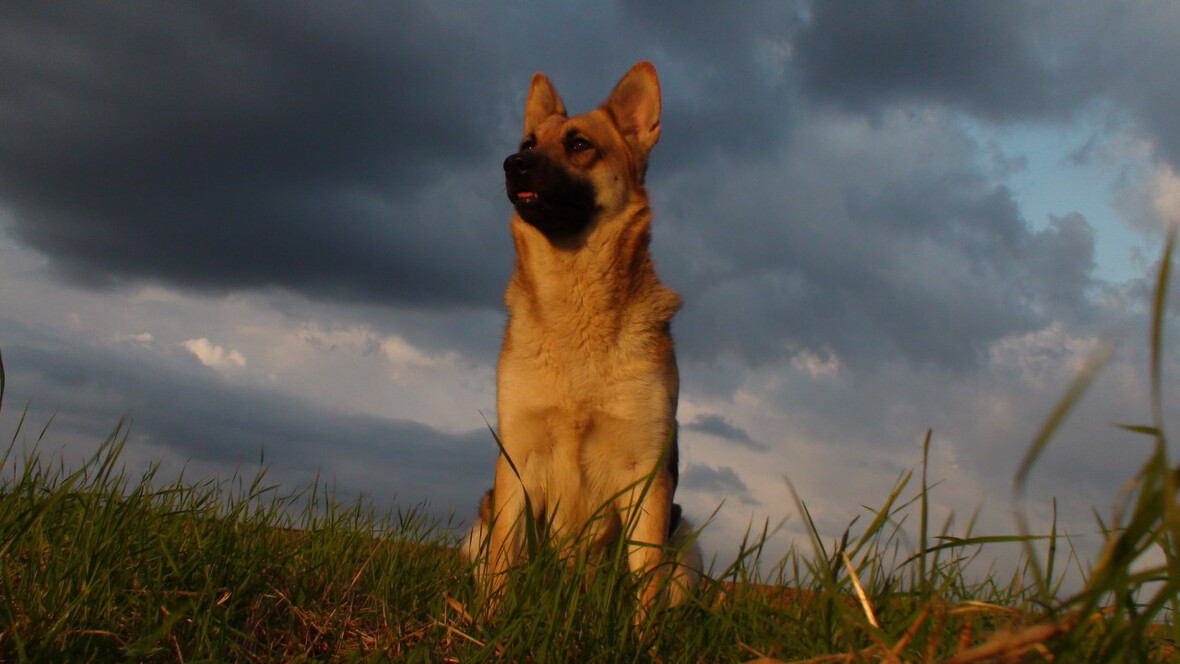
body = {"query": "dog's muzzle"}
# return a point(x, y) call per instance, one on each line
point(548, 197)
point(519, 169)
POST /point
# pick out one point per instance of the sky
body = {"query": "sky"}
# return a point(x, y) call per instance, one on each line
point(279, 230)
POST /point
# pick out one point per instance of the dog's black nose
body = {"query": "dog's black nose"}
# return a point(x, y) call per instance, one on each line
point(519, 163)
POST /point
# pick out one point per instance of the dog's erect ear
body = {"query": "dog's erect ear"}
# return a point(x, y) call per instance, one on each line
point(635, 106)
point(542, 103)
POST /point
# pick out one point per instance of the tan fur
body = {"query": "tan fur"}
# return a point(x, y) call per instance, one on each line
point(587, 382)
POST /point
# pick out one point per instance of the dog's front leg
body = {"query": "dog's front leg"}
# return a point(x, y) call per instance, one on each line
point(506, 538)
point(647, 518)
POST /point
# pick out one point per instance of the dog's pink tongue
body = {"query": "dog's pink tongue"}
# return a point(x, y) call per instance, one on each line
point(526, 196)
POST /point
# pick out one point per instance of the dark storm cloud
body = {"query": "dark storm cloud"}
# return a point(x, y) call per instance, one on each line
point(1060, 261)
point(872, 252)
point(726, 69)
point(986, 57)
point(339, 151)
point(229, 145)
point(1000, 60)
point(353, 154)
point(187, 410)
point(1142, 69)
point(722, 427)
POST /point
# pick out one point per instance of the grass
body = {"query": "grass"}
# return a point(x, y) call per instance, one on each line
point(99, 566)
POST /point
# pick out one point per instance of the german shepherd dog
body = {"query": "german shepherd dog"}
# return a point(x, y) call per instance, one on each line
point(587, 382)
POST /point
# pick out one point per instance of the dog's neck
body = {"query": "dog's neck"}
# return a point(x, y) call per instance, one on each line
point(609, 272)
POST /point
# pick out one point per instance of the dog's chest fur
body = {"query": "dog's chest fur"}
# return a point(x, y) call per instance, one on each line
point(587, 367)
point(577, 315)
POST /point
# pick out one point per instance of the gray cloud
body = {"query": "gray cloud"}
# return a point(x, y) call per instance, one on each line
point(723, 480)
point(339, 153)
point(352, 159)
point(1001, 61)
point(986, 57)
point(721, 426)
point(220, 145)
point(892, 244)
point(1142, 54)
point(184, 409)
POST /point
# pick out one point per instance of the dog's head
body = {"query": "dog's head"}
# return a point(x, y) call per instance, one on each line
point(570, 172)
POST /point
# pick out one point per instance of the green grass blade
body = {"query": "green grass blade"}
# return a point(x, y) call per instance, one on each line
point(923, 537)
point(1159, 313)
point(1093, 365)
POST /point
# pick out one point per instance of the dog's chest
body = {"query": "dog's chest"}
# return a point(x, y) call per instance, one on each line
point(581, 367)
point(586, 340)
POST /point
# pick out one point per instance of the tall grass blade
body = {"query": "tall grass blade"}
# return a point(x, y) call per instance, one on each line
point(923, 536)
point(3, 382)
point(1093, 365)
point(1159, 312)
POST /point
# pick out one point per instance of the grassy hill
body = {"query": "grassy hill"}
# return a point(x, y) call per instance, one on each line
point(97, 567)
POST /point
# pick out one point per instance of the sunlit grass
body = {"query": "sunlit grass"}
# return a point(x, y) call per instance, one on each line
point(97, 565)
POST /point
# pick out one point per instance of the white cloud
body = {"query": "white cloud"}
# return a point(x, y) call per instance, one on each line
point(1044, 357)
point(352, 340)
point(213, 356)
point(816, 365)
point(1147, 193)
point(143, 339)
point(401, 353)
point(354, 365)
point(359, 341)
point(1165, 191)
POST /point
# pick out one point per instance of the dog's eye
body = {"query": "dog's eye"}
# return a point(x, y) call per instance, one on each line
point(579, 144)
point(528, 144)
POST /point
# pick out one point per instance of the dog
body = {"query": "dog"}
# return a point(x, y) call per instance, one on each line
point(587, 384)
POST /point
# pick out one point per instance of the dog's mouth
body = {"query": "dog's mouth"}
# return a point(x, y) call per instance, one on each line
point(525, 198)
point(551, 209)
